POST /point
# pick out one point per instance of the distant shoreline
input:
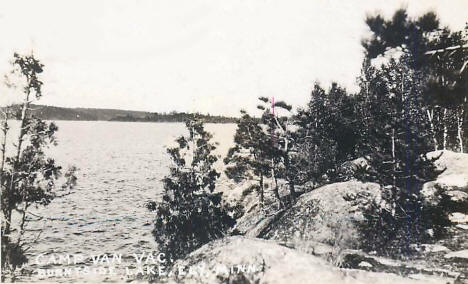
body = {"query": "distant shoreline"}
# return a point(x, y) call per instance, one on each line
point(95, 114)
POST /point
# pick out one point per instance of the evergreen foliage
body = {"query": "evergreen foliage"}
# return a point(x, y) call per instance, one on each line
point(250, 157)
point(327, 133)
point(445, 74)
point(285, 163)
point(414, 104)
point(396, 143)
point(191, 213)
point(27, 177)
point(400, 31)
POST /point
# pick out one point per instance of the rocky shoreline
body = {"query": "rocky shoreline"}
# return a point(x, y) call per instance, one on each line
point(316, 238)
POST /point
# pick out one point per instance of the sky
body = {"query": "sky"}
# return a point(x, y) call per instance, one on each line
point(213, 56)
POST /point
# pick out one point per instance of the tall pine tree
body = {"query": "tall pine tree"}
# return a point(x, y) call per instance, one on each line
point(398, 139)
point(250, 157)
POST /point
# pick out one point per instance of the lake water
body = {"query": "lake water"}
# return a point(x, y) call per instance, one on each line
point(121, 165)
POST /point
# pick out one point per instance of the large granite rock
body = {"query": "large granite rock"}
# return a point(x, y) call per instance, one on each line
point(452, 183)
point(243, 260)
point(455, 176)
point(325, 215)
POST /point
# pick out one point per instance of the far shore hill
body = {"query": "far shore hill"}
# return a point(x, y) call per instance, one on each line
point(97, 114)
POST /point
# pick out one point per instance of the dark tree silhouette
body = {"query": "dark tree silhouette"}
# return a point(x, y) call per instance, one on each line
point(28, 178)
point(398, 139)
point(400, 31)
point(327, 133)
point(250, 157)
point(443, 56)
point(191, 213)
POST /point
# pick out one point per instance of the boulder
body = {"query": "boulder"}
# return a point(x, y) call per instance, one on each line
point(243, 260)
point(452, 183)
point(455, 175)
point(325, 215)
point(454, 163)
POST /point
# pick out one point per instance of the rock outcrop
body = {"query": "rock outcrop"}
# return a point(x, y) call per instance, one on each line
point(322, 223)
point(453, 182)
point(325, 215)
point(243, 260)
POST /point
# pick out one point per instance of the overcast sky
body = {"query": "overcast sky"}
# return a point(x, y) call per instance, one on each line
point(208, 56)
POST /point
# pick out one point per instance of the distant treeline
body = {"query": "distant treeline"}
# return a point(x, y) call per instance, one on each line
point(93, 114)
point(174, 117)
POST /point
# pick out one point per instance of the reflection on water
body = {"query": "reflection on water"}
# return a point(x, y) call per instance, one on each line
point(121, 165)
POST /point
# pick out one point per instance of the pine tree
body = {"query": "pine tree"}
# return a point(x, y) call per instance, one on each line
point(327, 133)
point(28, 177)
point(343, 125)
point(314, 141)
point(441, 54)
point(400, 31)
point(191, 213)
point(249, 158)
point(398, 139)
point(285, 162)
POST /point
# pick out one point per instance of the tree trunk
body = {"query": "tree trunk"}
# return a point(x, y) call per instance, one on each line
point(23, 125)
point(261, 191)
point(20, 137)
point(393, 157)
point(444, 122)
point(3, 149)
point(275, 188)
point(7, 212)
point(460, 115)
point(292, 191)
point(10, 207)
point(22, 223)
point(430, 115)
